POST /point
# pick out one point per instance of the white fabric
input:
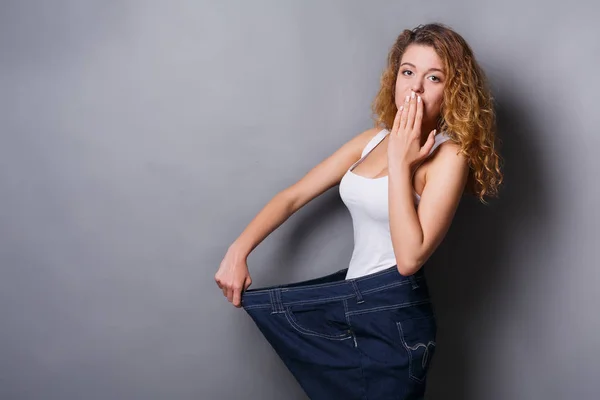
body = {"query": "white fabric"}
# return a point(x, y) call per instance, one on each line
point(367, 201)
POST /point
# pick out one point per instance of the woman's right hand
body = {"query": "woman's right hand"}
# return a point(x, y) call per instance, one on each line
point(233, 278)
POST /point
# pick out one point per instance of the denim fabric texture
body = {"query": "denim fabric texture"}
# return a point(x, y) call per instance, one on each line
point(371, 337)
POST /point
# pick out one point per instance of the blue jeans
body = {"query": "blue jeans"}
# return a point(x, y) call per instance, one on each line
point(372, 337)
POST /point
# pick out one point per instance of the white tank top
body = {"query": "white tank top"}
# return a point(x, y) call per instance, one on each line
point(367, 201)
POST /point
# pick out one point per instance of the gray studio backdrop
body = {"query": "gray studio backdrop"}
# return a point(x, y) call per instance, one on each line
point(140, 137)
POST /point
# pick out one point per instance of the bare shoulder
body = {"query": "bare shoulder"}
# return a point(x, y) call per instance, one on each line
point(446, 161)
point(329, 171)
point(362, 139)
point(450, 152)
point(370, 133)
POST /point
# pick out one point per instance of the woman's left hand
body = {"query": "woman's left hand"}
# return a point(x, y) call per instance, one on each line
point(404, 147)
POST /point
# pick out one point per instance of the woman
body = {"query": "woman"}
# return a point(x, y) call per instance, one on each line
point(368, 331)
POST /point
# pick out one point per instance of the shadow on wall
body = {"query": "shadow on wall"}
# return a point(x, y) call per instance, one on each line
point(472, 264)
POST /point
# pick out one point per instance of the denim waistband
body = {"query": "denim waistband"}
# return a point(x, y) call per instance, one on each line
point(319, 289)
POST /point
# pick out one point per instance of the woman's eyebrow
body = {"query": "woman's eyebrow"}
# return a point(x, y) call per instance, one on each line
point(430, 69)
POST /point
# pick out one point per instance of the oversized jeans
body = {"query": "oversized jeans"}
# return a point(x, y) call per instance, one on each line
point(372, 337)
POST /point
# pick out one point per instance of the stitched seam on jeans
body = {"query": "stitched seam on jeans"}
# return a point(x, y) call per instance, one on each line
point(327, 299)
point(362, 375)
point(257, 306)
point(390, 307)
point(346, 313)
point(380, 288)
point(305, 331)
point(325, 285)
point(298, 302)
point(410, 357)
point(330, 299)
point(320, 300)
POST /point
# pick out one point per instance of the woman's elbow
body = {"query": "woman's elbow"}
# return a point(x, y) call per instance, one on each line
point(407, 268)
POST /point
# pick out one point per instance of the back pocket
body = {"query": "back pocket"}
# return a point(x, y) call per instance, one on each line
point(418, 336)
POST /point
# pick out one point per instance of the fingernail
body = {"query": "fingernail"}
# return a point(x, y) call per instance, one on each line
point(407, 98)
point(401, 108)
point(418, 99)
point(412, 94)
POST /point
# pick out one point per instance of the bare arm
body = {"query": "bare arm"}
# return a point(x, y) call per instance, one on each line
point(233, 276)
point(416, 233)
point(322, 177)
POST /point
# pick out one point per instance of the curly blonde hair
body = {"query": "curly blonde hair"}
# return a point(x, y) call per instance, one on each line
point(467, 114)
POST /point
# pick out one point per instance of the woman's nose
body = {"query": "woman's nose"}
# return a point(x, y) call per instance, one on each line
point(417, 88)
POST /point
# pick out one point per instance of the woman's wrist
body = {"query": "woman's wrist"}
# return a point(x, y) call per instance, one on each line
point(237, 252)
point(399, 167)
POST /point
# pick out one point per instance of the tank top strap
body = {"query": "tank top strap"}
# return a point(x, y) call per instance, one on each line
point(378, 138)
point(439, 139)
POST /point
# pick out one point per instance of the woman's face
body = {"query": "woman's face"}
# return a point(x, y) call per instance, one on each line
point(421, 70)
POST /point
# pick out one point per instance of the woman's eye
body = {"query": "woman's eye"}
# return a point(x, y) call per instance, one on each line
point(436, 78)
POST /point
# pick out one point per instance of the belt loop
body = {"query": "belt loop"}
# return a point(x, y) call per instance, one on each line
point(413, 281)
point(359, 298)
point(276, 304)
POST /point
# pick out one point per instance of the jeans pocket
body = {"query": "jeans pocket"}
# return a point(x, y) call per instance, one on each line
point(418, 336)
point(327, 320)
